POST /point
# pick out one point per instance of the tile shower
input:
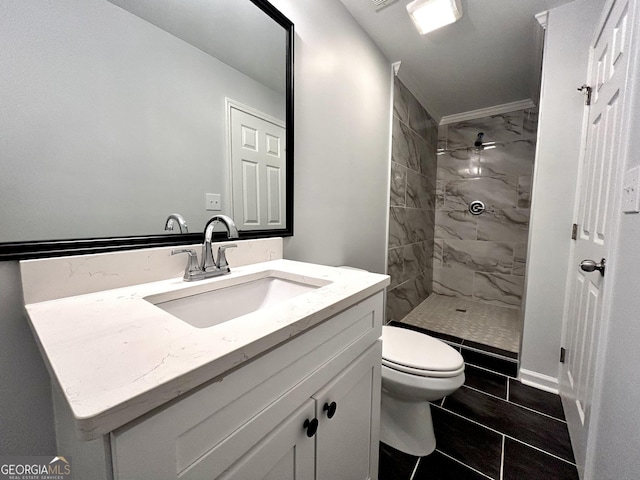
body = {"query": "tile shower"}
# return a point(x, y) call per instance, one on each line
point(412, 204)
point(442, 258)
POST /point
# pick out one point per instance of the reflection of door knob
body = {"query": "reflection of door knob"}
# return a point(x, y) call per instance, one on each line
point(590, 266)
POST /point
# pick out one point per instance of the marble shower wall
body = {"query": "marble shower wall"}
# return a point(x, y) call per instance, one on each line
point(483, 257)
point(413, 196)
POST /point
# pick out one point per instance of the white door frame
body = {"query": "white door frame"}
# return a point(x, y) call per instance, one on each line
point(229, 103)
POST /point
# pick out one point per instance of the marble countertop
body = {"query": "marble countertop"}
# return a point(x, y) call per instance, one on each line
point(117, 356)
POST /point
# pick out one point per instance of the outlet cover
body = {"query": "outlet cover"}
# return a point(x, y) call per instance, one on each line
point(631, 191)
point(213, 201)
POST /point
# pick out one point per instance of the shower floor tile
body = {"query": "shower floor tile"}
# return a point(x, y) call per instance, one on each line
point(471, 321)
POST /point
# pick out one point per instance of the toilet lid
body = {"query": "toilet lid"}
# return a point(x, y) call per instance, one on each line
point(419, 354)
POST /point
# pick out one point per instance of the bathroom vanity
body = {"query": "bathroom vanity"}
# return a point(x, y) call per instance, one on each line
point(149, 384)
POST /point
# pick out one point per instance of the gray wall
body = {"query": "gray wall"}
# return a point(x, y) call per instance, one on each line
point(565, 66)
point(108, 118)
point(483, 257)
point(26, 412)
point(342, 139)
point(412, 203)
point(343, 116)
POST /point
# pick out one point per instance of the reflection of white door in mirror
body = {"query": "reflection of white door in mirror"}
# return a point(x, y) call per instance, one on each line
point(258, 168)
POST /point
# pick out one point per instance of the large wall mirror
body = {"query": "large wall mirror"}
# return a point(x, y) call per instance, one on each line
point(117, 113)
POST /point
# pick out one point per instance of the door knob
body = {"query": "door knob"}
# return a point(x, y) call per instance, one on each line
point(590, 266)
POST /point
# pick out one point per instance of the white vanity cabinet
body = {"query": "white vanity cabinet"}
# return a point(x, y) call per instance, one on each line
point(250, 422)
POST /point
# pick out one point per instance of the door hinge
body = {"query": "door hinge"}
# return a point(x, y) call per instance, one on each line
point(586, 89)
point(563, 353)
point(574, 231)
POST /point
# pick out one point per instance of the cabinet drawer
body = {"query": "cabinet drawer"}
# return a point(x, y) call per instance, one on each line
point(175, 439)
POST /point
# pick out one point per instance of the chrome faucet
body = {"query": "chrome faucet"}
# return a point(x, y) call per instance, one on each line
point(207, 263)
point(208, 267)
point(172, 219)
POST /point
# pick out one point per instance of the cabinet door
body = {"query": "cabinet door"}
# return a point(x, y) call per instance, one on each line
point(287, 453)
point(347, 443)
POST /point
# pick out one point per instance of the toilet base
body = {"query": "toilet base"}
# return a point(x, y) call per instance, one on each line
point(407, 426)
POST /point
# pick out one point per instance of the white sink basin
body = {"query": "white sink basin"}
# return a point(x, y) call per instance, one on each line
point(221, 303)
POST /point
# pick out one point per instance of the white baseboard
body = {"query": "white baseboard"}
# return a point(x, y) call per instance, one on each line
point(539, 381)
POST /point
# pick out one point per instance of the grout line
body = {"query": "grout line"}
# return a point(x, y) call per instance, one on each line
point(490, 354)
point(462, 463)
point(516, 404)
point(541, 450)
point(502, 460)
point(508, 388)
point(503, 434)
point(470, 420)
point(415, 469)
point(489, 370)
point(484, 393)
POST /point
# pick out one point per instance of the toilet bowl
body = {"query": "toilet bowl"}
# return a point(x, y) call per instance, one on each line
point(416, 369)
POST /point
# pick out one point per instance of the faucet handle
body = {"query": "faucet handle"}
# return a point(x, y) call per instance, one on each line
point(221, 261)
point(192, 269)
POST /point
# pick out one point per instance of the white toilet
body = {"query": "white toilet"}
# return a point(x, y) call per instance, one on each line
point(416, 369)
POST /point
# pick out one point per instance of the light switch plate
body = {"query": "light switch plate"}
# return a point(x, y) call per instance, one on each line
point(213, 201)
point(631, 191)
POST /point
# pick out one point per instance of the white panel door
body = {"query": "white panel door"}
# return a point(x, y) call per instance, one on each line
point(258, 171)
point(608, 69)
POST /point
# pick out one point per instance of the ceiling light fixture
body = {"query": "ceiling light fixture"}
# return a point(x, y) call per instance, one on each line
point(429, 15)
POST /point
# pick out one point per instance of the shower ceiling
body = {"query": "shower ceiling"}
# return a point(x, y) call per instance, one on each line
point(489, 57)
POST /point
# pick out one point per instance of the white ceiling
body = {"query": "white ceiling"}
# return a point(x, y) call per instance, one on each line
point(489, 57)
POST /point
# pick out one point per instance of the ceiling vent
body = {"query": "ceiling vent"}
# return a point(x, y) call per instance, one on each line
point(380, 4)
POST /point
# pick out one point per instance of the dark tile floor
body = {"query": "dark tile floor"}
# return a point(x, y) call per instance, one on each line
point(492, 427)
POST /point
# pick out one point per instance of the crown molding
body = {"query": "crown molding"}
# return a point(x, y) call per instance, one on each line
point(486, 112)
point(543, 19)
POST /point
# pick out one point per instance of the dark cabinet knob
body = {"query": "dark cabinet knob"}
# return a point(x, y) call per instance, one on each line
point(311, 426)
point(330, 408)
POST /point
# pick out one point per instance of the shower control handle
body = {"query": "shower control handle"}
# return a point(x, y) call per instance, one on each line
point(592, 266)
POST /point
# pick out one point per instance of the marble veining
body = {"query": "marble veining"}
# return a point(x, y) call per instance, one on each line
point(453, 282)
point(456, 224)
point(398, 185)
point(514, 158)
point(117, 356)
point(495, 192)
point(417, 185)
point(413, 202)
point(478, 256)
point(501, 178)
point(395, 266)
point(519, 259)
point(400, 100)
point(437, 253)
point(506, 224)
point(524, 191)
point(504, 127)
point(498, 289)
point(52, 278)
